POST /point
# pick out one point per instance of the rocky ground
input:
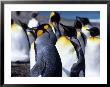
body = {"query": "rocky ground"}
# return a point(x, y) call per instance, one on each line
point(20, 69)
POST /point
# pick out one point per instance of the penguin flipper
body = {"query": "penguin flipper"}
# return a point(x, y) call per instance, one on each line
point(38, 67)
point(80, 65)
point(84, 38)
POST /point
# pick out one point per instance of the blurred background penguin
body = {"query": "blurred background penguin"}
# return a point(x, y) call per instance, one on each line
point(19, 51)
point(19, 43)
point(92, 53)
point(33, 23)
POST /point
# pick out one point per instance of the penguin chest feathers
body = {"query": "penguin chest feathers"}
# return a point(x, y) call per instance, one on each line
point(32, 55)
point(92, 57)
point(19, 44)
point(67, 52)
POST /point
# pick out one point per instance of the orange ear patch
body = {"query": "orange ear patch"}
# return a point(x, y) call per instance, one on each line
point(95, 39)
point(46, 26)
point(39, 33)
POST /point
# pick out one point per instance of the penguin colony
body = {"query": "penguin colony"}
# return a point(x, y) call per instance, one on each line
point(73, 53)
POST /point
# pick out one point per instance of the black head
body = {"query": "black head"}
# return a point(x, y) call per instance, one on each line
point(69, 31)
point(55, 17)
point(94, 31)
point(77, 24)
point(83, 20)
point(18, 13)
point(34, 15)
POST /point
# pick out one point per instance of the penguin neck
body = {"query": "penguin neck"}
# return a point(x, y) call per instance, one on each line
point(78, 33)
point(13, 26)
point(33, 19)
point(94, 38)
point(52, 27)
point(55, 30)
point(84, 27)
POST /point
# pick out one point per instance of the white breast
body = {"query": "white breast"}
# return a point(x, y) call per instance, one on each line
point(67, 54)
point(92, 58)
point(86, 32)
point(19, 45)
point(32, 56)
point(31, 37)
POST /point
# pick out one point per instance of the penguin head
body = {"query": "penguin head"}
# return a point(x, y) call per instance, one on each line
point(83, 20)
point(69, 31)
point(34, 15)
point(18, 13)
point(77, 24)
point(94, 31)
point(54, 17)
point(41, 29)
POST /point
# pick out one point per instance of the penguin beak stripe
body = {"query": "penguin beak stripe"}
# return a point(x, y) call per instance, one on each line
point(52, 14)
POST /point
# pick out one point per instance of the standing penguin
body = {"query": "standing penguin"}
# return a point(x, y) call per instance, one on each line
point(92, 53)
point(19, 43)
point(80, 35)
point(76, 66)
point(48, 62)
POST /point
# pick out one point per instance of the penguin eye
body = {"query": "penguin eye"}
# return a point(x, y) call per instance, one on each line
point(39, 33)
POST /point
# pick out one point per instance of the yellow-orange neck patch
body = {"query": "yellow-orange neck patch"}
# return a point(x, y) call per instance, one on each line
point(64, 40)
point(96, 39)
point(85, 27)
point(78, 33)
point(13, 26)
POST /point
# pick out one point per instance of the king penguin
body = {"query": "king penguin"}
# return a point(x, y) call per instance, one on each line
point(19, 43)
point(80, 35)
point(92, 53)
point(48, 62)
point(67, 53)
point(53, 31)
point(77, 66)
